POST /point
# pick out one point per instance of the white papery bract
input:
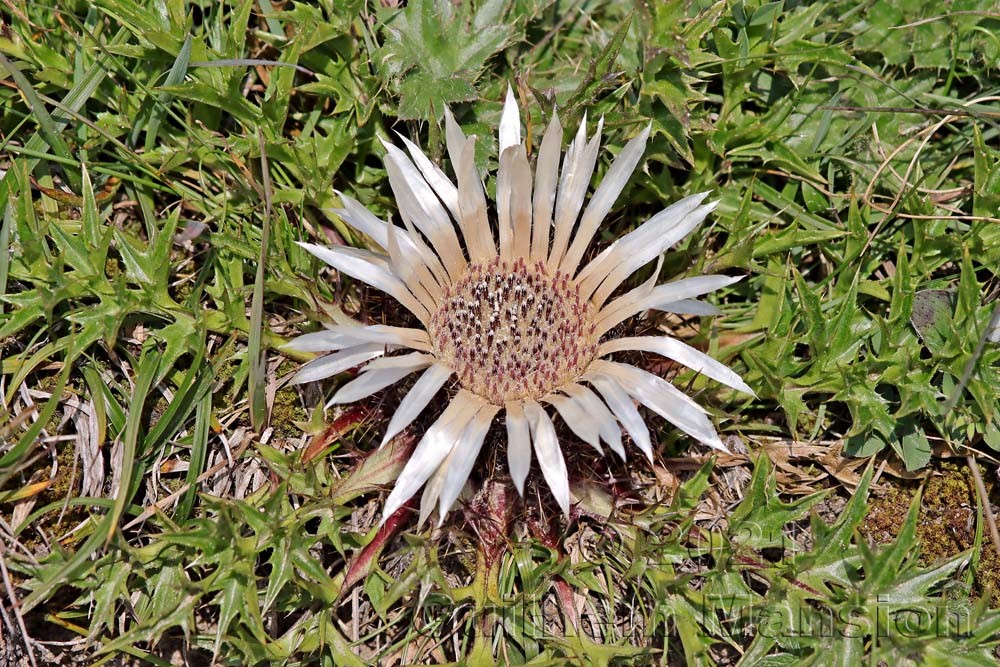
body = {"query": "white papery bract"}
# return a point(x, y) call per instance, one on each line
point(508, 314)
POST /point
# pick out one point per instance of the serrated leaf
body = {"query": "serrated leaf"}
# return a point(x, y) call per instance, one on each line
point(230, 601)
point(136, 261)
point(916, 586)
point(833, 556)
point(281, 572)
point(420, 92)
point(437, 50)
point(914, 447)
point(74, 251)
point(759, 520)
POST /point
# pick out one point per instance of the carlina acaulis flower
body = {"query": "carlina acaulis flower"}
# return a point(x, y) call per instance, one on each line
point(508, 316)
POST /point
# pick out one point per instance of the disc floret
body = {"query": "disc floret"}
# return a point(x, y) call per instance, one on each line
point(513, 331)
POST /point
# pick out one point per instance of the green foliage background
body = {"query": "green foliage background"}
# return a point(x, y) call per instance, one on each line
point(148, 150)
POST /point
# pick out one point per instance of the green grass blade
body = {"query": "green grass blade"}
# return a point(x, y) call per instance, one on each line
point(50, 131)
point(5, 225)
point(149, 362)
point(257, 378)
point(196, 384)
point(174, 77)
point(199, 454)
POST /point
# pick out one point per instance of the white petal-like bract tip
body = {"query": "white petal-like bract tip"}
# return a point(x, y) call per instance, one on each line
point(416, 400)
point(338, 362)
point(518, 445)
point(550, 457)
point(510, 122)
point(464, 457)
point(437, 443)
point(680, 352)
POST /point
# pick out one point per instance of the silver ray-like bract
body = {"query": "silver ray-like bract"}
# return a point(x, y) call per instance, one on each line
point(443, 254)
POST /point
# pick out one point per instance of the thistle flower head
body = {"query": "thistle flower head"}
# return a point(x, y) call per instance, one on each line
point(513, 332)
point(508, 316)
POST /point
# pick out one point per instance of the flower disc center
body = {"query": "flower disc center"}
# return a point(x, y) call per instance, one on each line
point(511, 331)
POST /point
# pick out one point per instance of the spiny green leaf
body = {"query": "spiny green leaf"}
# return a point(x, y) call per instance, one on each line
point(436, 51)
point(759, 520)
